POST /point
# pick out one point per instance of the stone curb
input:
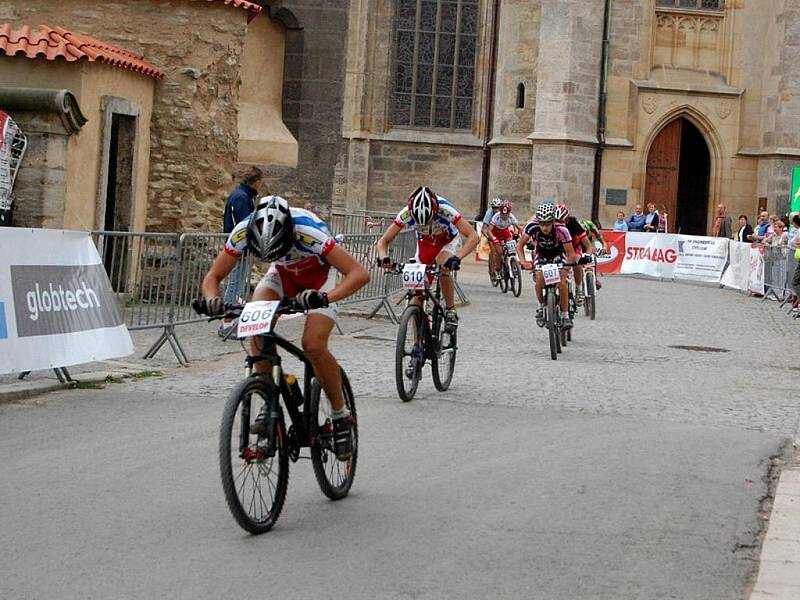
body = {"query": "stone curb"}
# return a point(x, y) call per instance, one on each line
point(23, 390)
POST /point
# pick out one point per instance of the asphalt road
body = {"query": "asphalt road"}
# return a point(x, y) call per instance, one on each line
point(627, 469)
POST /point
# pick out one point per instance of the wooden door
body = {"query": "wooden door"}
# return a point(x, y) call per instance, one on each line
point(663, 163)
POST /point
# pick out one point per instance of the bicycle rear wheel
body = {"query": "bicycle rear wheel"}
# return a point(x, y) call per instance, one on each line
point(335, 477)
point(409, 353)
point(504, 275)
point(445, 363)
point(254, 469)
point(590, 302)
point(516, 277)
point(552, 329)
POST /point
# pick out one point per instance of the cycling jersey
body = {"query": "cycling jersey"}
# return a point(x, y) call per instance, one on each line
point(547, 247)
point(576, 231)
point(487, 218)
point(304, 266)
point(501, 221)
point(440, 231)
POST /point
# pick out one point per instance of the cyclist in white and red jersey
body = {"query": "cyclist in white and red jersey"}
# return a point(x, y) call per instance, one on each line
point(301, 251)
point(551, 243)
point(504, 225)
point(437, 223)
point(495, 256)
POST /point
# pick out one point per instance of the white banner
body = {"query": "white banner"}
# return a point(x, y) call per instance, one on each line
point(654, 254)
point(701, 258)
point(755, 281)
point(737, 274)
point(57, 308)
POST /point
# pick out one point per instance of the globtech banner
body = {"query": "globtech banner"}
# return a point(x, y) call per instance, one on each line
point(57, 308)
point(701, 258)
point(615, 245)
point(654, 254)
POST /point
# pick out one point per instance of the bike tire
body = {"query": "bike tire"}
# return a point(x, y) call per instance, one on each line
point(590, 302)
point(334, 477)
point(516, 279)
point(234, 484)
point(445, 363)
point(504, 277)
point(552, 330)
point(410, 322)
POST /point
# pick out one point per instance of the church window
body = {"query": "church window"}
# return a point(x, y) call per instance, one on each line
point(696, 4)
point(436, 43)
point(520, 95)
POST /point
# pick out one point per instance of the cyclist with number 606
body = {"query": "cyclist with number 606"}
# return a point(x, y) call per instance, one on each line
point(437, 223)
point(551, 243)
point(301, 251)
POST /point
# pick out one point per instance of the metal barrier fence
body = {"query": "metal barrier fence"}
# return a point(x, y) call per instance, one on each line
point(779, 269)
point(357, 223)
point(157, 275)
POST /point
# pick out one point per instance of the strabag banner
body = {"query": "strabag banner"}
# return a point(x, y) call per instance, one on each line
point(615, 248)
point(653, 254)
point(701, 258)
point(57, 308)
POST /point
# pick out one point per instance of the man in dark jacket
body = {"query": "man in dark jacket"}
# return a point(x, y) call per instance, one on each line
point(238, 207)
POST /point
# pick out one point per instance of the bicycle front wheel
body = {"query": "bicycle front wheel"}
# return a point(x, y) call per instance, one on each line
point(590, 302)
point(335, 477)
point(552, 329)
point(504, 276)
point(254, 468)
point(409, 353)
point(516, 277)
point(445, 363)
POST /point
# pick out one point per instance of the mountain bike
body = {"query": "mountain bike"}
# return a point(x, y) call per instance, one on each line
point(254, 467)
point(552, 306)
point(422, 335)
point(510, 272)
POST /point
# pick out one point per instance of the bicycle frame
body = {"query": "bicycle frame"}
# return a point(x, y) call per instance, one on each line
point(437, 310)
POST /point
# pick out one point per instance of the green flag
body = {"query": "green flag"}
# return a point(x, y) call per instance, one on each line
point(795, 199)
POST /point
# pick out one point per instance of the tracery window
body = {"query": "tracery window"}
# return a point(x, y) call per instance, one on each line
point(695, 4)
point(435, 48)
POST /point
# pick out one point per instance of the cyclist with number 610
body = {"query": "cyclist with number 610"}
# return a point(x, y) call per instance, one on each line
point(437, 223)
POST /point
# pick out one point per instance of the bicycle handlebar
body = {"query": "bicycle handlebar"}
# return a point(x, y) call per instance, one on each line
point(288, 306)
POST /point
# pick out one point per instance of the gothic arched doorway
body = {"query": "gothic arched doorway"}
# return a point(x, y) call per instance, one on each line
point(678, 169)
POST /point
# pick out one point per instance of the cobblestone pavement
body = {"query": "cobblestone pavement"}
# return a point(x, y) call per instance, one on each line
point(623, 363)
point(516, 483)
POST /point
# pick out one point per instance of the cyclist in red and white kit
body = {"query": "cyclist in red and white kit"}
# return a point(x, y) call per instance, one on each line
point(437, 224)
point(504, 225)
point(304, 258)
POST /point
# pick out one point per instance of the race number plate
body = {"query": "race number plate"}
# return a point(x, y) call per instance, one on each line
point(256, 318)
point(551, 274)
point(511, 247)
point(414, 276)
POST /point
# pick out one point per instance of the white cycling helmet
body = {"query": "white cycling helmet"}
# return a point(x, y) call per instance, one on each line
point(497, 202)
point(545, 213)
point(270, 233)
point(423, 205)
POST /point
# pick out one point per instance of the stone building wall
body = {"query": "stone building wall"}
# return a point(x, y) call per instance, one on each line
point(198, 45)
point(314, 77)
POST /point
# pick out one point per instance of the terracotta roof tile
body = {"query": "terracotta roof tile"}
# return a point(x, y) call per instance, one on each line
point(244, 4)
point(58, 43)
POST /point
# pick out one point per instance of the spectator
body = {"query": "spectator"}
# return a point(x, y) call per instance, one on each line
point(745, 230)
point(781, 237)
point(796, 279)
point(636, 221)
point(237, 208)
point(620, 224)
point(663, 220)
point(763, 229)
point(651, 219)
point(722, 224)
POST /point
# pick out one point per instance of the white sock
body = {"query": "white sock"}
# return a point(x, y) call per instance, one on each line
point(340, 414)
point(565, 315)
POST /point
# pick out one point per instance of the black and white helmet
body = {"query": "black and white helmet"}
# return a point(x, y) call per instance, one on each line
point(497, 202)
point(545, 213)
point(423, 205)
point(270, 233)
